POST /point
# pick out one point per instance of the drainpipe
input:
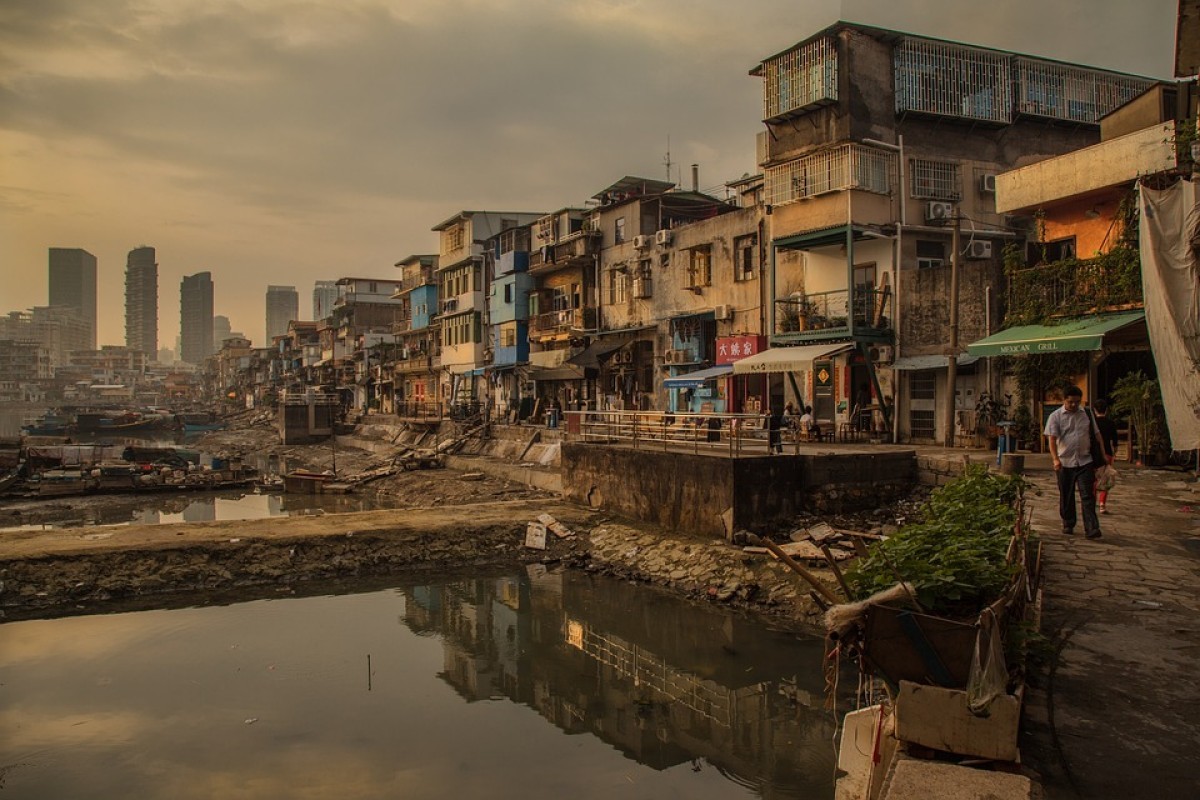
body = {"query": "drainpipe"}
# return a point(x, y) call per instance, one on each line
point(952, 357)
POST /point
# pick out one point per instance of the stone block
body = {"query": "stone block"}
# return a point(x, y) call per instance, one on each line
point(912, 779)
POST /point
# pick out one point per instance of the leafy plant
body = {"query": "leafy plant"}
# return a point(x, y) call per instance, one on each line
point(1023, 427)
point(1140, 398)
point(955, 558)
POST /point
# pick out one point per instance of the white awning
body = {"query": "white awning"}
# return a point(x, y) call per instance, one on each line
point(788, 359)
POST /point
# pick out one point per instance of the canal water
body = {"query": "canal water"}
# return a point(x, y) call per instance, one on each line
point(540, 684)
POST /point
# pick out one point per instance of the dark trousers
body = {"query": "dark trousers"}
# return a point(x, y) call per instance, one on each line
point(1083, 480)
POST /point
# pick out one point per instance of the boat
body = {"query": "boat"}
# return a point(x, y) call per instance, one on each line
point(49, 424)
point(305, 482)
point(120, 422)
point(270, 483)
point(191, 422)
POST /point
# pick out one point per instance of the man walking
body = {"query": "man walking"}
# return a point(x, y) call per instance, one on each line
point(1071, 434)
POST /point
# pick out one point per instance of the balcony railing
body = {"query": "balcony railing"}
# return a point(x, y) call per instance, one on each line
point(833, 169)
point(827, 314)
point(1072, 287)
point(562, 321)
point(572, 251)
point(420, 410)
point(417, 363)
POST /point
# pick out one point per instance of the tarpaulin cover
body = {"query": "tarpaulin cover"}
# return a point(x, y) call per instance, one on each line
point(1170, 219)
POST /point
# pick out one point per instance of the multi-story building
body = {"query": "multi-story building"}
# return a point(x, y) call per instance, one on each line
point(59, 329)
point(418, 361)
point(73, 284)
point(463, 287)
point(506, 261)
point(222, 330)
point(325, 294)
point(196, 317)
point(25, 367)
point(283, 306)
point(110, 364)
point(141, 300)
point(637, 219)
point(878, 145)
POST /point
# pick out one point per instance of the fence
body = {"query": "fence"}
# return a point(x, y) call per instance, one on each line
point(731, 435)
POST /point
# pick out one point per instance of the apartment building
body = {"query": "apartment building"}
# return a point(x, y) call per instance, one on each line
point(418, 362)
point(877, 146)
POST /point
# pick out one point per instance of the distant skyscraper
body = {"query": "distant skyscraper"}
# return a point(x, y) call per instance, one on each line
point(196, 317)
point(283, 306)
point(222, 330)
point(141, 301)
point(325, 294)
point(73, 283)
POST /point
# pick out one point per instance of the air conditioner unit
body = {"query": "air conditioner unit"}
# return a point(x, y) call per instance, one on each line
point(937, 211)
point(664, 237)
point(987, 183)
point(641, 288)
point(882, 354)
point(624, 356)
point(641, 242)
point(723, 312)
point(673, 356)
point(979, 249)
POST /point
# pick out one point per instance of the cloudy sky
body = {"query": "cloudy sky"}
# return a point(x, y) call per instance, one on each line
point(288, 141)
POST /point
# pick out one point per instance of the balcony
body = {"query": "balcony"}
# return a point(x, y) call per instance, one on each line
point(555, 323)
point(827, 315)
point(576, 250)
point(1070, 288)
point(422, 362)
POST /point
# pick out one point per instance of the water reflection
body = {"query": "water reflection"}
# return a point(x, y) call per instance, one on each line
point(646, 696)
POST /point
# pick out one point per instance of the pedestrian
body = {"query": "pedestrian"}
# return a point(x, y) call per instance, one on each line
point(1108, 435)
point(775, 430)
point(808, 424)
point(1071, 432)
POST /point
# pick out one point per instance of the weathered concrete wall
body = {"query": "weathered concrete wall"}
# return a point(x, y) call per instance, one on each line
point(940, 470)
point(715, 496)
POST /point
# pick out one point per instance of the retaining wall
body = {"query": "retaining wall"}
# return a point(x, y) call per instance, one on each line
point(713, 495)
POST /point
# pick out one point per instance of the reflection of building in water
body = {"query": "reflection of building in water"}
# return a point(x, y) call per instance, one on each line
point(201, 511)
point(663, 681)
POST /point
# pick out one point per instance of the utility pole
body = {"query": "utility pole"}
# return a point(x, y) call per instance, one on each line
point(952, 356)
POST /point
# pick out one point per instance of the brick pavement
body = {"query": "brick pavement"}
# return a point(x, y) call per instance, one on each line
point(1114, 714)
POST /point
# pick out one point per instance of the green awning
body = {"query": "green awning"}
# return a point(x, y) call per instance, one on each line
point(1079, 333)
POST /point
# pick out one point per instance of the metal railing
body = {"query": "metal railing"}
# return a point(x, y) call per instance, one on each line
point(411, 409)
point(729, 435)
point(830, 311)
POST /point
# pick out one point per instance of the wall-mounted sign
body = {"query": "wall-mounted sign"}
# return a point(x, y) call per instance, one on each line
point(735, 348)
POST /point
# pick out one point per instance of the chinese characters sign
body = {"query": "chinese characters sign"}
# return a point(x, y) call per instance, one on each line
point(735, 348)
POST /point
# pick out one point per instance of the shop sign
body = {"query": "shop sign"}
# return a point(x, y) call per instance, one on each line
point(735, 348)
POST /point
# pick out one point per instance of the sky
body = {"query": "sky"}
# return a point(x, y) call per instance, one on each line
point(289, 141)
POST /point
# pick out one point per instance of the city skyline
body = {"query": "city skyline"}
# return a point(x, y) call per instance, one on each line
point(290, 143)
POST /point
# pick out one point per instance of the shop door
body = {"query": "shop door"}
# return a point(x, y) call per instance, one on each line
point(823, 405)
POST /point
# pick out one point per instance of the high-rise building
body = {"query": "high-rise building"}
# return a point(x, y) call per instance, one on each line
point(141, 301)
point(325, 294)
point(196, 317)
point(222, 330)
point(73, 283)
point(283, 306)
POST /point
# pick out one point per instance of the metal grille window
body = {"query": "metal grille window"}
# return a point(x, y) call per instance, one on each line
point(744, 257)
point(830, 170)
point(935, 180)
point(941, 78)
point(700, 267)
point(922, 385)
point(802, 77)
point(921, 424)
point(1059, 91)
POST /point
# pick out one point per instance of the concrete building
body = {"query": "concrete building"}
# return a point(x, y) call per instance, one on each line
point(222, 330)
point(141, 300)
point(196, 317)
point(283, 306)
point(419, 361)
point(463, 293)
point(73, 284)
point(325, 295)
point(506, 261)
point(876, 143)
point(59, 329)
point(25, 367)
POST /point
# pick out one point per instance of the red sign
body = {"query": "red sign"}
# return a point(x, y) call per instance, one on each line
point(735, 348)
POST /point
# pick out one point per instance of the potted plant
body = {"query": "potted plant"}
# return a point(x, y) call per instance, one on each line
point(1024, 430)
point(1140, 398)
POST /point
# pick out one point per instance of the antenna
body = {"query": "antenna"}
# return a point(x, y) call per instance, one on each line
point(667, 158)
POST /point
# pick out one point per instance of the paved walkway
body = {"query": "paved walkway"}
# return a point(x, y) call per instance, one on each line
point(1115, 710)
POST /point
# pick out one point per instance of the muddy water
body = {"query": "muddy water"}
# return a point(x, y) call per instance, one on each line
point(539, 684)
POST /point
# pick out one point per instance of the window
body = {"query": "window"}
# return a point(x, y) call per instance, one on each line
point(508, 293)
point(616, 286)
point(745, 249)
point(508, 335)
point(802, 77)
point(619, 230)
point(453, 239)
point(930, 254)
point(700, 267)
point(935, 180)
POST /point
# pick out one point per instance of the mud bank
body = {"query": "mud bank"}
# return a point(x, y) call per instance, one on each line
point(92, 570)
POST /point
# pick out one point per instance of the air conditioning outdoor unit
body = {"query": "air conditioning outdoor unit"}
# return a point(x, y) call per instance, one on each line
point(641, 242)
point(663, 237)
point(979, 249)
point(987, 183)
point(723, 312)
point(675, 356)
point(937, 211)
point(882, 354)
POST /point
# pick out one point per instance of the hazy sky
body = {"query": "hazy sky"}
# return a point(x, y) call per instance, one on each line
point(287, 141)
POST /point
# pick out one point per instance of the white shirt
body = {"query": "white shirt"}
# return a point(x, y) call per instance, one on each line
point(1073, 430)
